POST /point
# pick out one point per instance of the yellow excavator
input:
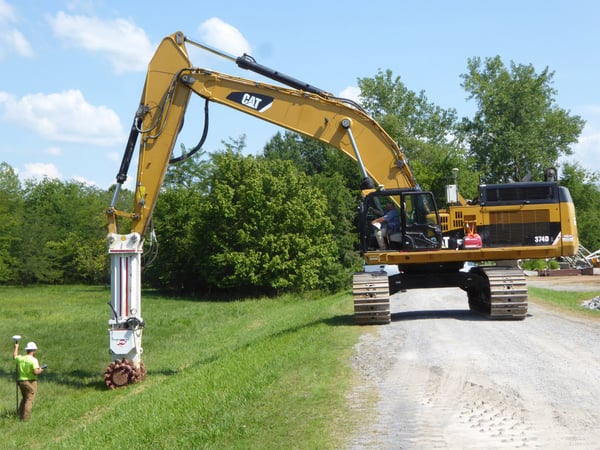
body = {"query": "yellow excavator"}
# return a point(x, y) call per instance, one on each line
point(400, 224)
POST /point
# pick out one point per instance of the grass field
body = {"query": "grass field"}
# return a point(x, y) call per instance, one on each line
point(567, 301)
point(221, 375)
point(268, 373)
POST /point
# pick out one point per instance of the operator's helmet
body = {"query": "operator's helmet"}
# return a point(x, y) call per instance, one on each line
point(31, 346)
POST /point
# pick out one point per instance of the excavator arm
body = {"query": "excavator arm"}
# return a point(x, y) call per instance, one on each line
point(170, 82)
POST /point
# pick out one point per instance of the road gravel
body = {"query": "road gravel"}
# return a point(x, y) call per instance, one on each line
point(443, 377)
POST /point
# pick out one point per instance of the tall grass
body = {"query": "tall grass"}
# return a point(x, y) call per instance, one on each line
point(268, 373)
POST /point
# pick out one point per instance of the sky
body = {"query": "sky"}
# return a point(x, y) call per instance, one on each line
point(72, 72)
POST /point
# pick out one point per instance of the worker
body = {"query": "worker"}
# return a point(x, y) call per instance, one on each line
point(386, 225)
point(28, 369)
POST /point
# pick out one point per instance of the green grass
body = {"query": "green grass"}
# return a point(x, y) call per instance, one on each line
point(221, 375)
point(566, 301)
point(268, 373)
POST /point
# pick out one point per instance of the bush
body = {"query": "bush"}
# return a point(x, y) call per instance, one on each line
point(540, 264)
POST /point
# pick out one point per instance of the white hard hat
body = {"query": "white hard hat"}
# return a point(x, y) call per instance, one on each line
point(30, 346)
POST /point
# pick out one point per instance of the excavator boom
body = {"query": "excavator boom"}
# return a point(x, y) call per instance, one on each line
point(171, 80)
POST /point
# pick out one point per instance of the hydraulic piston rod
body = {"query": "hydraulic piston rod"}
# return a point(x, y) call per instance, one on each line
point(367, 182)
point(249, 63)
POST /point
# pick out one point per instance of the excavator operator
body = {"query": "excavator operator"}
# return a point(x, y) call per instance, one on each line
point(386, 225)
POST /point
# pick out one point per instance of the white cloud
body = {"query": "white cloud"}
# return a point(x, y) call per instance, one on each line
point(11, 39)
point(113, 156)
point(15, 40)
point(351, 93)
point(54, 151)
point(225, 37)
point(41, 170)
point(586, 151)
point(6, 13)
point(125, 45)
point(83, 180)
point(65, 116)
point(591, 110)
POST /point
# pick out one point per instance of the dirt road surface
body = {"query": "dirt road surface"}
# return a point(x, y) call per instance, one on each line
point(445, 378)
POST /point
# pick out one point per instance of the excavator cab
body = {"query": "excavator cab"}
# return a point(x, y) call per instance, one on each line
point(411, 222)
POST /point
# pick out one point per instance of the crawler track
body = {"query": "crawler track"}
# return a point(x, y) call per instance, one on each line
point(506, 294)
point(371, 298)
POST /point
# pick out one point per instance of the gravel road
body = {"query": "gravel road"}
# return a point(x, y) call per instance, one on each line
point(446, 378)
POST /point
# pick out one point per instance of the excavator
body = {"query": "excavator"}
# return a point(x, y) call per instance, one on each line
point(429, 246)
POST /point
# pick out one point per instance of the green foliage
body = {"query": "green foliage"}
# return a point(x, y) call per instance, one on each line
point(191, 171)
point(405, 115)
point(11, 221)
point(257, 225)
point(181, 236)
point(77, 227)
point(424, 131)
point(313, 158)
point(534, 264)
point(338, 178)
point(54, 231)
point(266, 227)
point(540, 264)
point(341, 208)
point(584, 188)
point(553, 265)
point(518, 129)
point(221, 375)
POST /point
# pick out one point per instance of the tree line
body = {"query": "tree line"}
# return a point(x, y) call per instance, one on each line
point(284, 220)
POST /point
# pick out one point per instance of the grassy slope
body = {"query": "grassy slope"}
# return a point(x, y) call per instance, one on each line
point(254, 374)
point(566, 301)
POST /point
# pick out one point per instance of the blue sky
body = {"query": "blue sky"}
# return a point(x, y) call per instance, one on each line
point(71, 72)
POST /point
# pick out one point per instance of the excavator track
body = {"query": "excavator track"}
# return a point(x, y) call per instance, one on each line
point(505, 296)
point(371, 292)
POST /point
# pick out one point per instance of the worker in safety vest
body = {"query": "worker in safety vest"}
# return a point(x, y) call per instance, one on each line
point(28, 369)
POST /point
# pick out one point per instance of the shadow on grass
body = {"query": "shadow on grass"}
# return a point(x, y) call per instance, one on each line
point(219, 297)
point(76, 379)
point(79, 379)
point(343, 320)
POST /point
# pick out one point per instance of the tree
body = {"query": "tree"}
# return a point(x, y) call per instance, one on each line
point(11, 221)
point(313, 157)
point(253, 225)
point(342, 210)
point(181, 239)
point(266, 228)
point(518, 129)
point(424, 131)
point(65, 220)
point(338, 178)
point(583, 186)
point(190, 171)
